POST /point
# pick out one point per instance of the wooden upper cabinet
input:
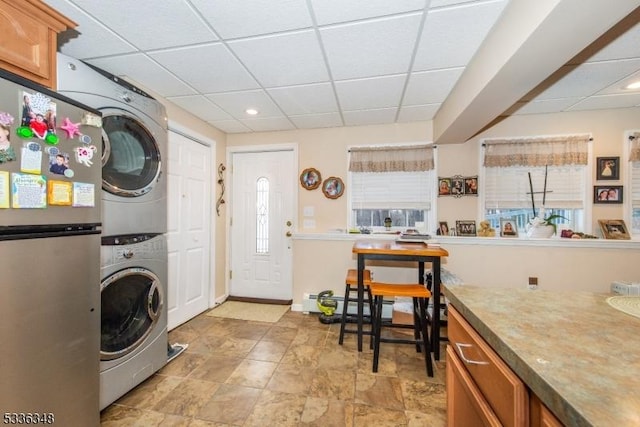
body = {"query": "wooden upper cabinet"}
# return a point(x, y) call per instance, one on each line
point(29, 31)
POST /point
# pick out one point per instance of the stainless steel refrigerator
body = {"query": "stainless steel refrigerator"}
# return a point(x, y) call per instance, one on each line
point(50, 183)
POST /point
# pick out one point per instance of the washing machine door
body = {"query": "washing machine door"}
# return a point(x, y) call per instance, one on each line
point(131, 306)
point(130, 155)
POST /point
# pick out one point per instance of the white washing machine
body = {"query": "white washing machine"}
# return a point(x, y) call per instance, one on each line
point(134, 147)
point(134, 340)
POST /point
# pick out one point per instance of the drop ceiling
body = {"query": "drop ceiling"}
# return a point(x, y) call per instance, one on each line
point(307, 64)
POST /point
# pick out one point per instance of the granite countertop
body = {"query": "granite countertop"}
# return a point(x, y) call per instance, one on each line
point(579, 355)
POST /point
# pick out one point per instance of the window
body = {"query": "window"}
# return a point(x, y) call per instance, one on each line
point(392, 182)
point(634, 167)
point(262, 216)
point(554, 169)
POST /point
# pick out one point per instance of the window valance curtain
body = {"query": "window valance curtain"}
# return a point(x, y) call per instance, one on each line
point(402, 158)
point(542, 151)
point(634, 153)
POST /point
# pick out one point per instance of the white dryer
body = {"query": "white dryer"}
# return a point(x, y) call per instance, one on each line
point(134, 340)
point(134, 147)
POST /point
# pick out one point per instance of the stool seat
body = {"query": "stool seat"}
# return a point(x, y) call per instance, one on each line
point(352, 277)
point(351, 285)
point(420, 296)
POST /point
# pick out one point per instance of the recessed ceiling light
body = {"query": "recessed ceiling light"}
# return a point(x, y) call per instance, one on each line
point(634, 85)
point(251, 111)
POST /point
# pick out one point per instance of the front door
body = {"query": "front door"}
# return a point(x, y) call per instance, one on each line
point(262, 222)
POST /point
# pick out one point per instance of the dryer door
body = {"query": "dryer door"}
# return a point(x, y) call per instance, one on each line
point(130, 155)
point(131, 306)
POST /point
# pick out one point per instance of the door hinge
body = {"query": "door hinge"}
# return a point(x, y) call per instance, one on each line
point(230, 274)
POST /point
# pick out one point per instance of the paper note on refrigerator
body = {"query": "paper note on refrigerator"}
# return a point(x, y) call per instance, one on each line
point(28, 191)
point(4, 190)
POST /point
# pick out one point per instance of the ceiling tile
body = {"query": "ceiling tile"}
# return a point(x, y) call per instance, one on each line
point(235, 19)
point(590, 78)
point(334, 11)
point(236, 103)
point(312, 121)
point(80, 42)
point(201, 107)
point(371, 48)
point(451, 36)
point(230, 126)
point(430, 87)
point(371, 93)
point(543, 106)
point(305, 99)
point(370, 117)
point(604, 102)
point(148, 25)
point(283, 60)
point(268, 124)
point(208, 68)
point(625, 46)
point(414, 113)
point(141, 68)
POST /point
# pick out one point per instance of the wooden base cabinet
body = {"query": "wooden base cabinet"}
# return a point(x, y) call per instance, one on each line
point(499, 395)
point(482, 390)
point(29, 31)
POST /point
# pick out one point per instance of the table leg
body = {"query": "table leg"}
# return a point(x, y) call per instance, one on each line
point(435, 325)
point(360, 299)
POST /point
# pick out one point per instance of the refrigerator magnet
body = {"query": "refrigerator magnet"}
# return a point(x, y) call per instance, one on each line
point(84, 155)
point(7, 152)
point(59, 193)
point(31, 158)
point(72, 129)
point(28, 191)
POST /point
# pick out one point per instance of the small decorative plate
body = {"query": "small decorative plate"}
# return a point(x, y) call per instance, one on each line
point(310, 178)
point(333, 187)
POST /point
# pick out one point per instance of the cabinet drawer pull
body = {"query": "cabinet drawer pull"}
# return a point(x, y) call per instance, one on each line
point(464, 358)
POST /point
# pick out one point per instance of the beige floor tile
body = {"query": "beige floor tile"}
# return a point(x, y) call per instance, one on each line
point(293, 372)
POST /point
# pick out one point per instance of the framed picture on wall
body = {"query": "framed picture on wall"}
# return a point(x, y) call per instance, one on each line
point(310, 178)
point(333, 187)
point(607, 168)
point(611, 194)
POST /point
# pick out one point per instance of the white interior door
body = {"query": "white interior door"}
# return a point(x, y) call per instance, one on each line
point(262, 222)
point(189, 223)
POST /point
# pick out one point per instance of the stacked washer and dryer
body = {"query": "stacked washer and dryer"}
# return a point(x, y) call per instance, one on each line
point(134, 220)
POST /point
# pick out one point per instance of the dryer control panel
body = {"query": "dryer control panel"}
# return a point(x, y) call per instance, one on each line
point(117, 249)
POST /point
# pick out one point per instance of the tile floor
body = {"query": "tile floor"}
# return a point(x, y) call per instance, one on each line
point(289, 373)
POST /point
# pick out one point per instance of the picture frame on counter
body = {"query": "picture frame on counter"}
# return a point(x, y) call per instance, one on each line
point(508, 227)
point(607, 168)
point(466, 228)
point(607, 194)
point(614, 229)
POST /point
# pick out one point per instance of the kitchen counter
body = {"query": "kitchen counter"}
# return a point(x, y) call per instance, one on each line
point(579, 355)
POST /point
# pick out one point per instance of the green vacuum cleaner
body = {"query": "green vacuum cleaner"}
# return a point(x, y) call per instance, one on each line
point(327, 306)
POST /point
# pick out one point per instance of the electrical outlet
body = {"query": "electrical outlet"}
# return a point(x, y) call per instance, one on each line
point(533, 283)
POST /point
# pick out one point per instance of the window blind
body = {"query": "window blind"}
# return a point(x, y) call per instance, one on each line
point(392, 190)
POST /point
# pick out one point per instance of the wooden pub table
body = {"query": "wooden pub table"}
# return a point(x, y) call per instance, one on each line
point(390, 250)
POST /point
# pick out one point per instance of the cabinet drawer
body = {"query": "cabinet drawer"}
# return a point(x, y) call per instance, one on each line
point(502, 389)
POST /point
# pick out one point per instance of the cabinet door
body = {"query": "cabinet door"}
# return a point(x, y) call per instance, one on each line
point(466, 406)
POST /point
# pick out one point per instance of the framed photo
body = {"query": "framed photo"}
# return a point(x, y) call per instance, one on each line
point(444, 186)
point(443, 229)
point(457, 186)
point(310, 178)
point(471, 185)
point(333, 187)
point(607, 194)
point(607, 168)
point(508, 227)
point(614, 229)
point(466, 228)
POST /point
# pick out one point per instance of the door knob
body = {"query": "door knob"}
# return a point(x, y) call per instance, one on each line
point(288, 223)
point(288, 234)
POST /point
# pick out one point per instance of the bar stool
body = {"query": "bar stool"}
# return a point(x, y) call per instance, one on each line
point(420, 295)
point(351, 285)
